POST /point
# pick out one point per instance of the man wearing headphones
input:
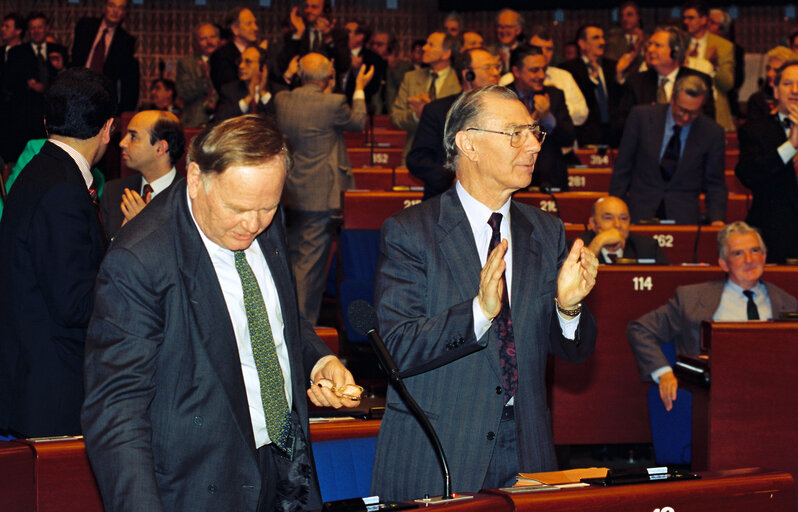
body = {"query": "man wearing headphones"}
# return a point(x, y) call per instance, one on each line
point(252, 93)
point(665, 55)
point(475, 68)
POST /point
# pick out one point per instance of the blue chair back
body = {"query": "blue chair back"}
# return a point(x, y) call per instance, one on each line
point(344, 467)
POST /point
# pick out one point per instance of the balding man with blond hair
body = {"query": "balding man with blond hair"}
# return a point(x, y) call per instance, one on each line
point(314, 119)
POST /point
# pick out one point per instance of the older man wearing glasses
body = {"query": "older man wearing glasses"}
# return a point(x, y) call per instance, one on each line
point(669, 154)
point(473, 292)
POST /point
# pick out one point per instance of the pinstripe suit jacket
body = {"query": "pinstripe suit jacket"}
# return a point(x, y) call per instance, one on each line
point(314, 122)
point(415, 83)
point(427, 276)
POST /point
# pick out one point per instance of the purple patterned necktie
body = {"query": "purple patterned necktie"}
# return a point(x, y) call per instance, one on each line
point(504, 324)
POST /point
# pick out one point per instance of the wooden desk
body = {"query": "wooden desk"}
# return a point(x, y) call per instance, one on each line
point(591, 157)
point(743, 490)
point(677, 242)
point(384, 179)
point(749, 415)
point(383, 138)
point(589, 180)
point(383, 157)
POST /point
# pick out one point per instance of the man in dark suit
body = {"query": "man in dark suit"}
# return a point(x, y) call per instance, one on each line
point(30, 70)
point(596, 77)
point(359, 36)
point(193, 80)
point(314, 31)
point(427, 157)
point(476, 341)
point(12, 30)
point(252, 93)
point(669, 155)
point(548, 109)
point(103, 45)
point(224, 61)
point(153, 144)
point(665, 54)
point(314, 120)
point(608, 235)
point(51, 245)
point(197, 359)
point(767, 167)
point(742, 296)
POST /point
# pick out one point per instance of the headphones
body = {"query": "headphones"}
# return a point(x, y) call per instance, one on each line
point(470, 76)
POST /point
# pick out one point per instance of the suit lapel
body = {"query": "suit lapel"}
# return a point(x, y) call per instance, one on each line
point(527, 284)
point(205, 301)
point(456, 240)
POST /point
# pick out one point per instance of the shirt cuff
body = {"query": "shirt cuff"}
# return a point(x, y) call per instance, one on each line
point(243, 105)
point(786, 151)
point(481, 322)
point(319, 364)
point(359, 95)
point(656, 374)
point(569, 325)
point(264, 99)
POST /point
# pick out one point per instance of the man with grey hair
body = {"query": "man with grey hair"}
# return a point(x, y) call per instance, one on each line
point(197, 359)
point(451, 270)
point(741, 296)
point(509, 34)
point(669, 155)
point(313, 119)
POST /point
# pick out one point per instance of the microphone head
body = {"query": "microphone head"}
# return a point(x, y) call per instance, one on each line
point(362, 317)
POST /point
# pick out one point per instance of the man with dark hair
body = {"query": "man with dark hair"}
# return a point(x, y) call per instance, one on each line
point(742, 296)
point(51, 245)
point(767, 167)
point(669, 155)
point(717, 51)
point(596, 77)
point(475, 68)
point(224, 61)
point(152, 146)
point(386, 46)
point(359, 37)
point(28, 73)
point(608, 235)
point(421, 86)
point(629, 38)
point(548, 109)
point(665, 54)
point(314, 31)
point(459, 313)
point(163, 93)
point(252, 93)
point(193, 81)
point(314, 119)
point(556, 77)
point(12, 30)
point(197, 359)
point(103, 45)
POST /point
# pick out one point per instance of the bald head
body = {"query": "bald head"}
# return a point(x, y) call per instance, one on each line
point(154, 142)
point(608, 213)
point(315, 68)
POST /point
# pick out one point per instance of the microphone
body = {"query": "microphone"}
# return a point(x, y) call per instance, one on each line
point(364, 320)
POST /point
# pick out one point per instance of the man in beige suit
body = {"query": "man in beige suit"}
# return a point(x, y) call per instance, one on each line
point(717, 51)
point(421, 86)
point(313, 119)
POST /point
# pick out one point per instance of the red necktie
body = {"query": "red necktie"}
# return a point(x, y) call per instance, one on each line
point(98, 57)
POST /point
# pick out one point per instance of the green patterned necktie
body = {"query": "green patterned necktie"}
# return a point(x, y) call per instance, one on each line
point(270, 375)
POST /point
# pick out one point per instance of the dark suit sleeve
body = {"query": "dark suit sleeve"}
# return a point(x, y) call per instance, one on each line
point(760, 162)
point(417, 341)
point(122, 344)
point(623, 170)
point(426, 157)
point(564, 133)
point(714, 182)
point(647, 333)
point(228, 103)
point(60, 231)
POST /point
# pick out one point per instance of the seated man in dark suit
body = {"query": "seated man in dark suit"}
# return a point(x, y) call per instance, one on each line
point(547, 106)
point(426, 159)
point(608, 235)
point(669, 155)
point(152, 146)
point(252, 93)
point(742, 296)
point(103, 45)
point(224, 60)
point(51, 245)
point(665, 54)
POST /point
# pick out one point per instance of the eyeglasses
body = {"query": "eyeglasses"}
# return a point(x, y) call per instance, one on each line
point(519, 136)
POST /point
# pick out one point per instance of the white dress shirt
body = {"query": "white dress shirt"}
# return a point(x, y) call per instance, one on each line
point(224, 264)
point(160, 184)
